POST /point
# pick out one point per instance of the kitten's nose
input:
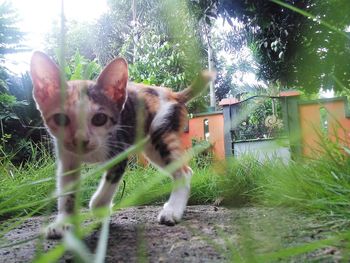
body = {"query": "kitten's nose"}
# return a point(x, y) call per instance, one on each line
point(80, 143)
point(84, 143)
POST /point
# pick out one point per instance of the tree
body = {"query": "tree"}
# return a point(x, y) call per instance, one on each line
point(79, 67)
point(158, 52)
point(80, 37)
point(18, 113)
point(293, 49)
point(119, 29)
point(235, 63)
point(10, 35)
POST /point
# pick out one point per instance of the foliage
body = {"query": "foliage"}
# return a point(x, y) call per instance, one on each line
point(156, 55)
point(10, 35)
point(320, 184)
point(117, 32)
point(25, 183)
point(157, 63)
point(27, 128)
point(80, 67)
point(80, 38)
point(288, 42)
point(15, 106)
point(7, 103)
point(160, 63)
point(20, 120)
point(205, 158)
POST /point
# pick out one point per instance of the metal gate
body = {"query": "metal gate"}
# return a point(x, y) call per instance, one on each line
point(258, 127)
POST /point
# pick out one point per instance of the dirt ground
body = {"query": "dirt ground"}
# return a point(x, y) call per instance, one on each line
point(206, 234)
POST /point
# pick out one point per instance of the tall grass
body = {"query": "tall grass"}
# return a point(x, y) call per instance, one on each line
point(319, 185)
point(25, 187)
point(314, 185)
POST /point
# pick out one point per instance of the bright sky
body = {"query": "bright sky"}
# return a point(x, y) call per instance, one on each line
point(240, 79)
point(37, 16)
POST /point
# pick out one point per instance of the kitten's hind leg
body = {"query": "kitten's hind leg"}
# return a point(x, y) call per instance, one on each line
point(164, 149)
point(108, 186)
point(173, 210)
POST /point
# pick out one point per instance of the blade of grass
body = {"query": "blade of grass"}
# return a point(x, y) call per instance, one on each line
point(20, 220)
point(120, 157)
point(141, 248)
point(51, 256)
point(31, 204)
point(297, 250)
point(168, 170)
point(103, 241)
point(75, 245)
point(19, 242)
point(12, 191)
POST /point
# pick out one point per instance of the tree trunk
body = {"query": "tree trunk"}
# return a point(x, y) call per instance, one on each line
point(134, 37)
point(211, 68)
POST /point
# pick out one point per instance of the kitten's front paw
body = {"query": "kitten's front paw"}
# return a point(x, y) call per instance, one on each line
point(57, 229)
point(99, 202)
point(170, 215)
point(100, 209)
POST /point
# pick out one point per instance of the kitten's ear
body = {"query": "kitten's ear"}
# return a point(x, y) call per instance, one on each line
point(46, 79)
point(113, 80)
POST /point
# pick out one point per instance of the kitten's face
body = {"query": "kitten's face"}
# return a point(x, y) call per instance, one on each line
point(83, 120)
point(81, 124)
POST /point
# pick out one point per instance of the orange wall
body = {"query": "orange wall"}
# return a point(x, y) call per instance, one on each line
point(216, 131)
point(310, 124)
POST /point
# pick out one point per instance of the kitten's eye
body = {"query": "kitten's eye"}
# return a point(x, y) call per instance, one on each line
point(99, 119)
point(61, 119)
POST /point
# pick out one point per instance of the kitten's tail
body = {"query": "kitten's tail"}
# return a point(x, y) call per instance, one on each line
point(197, 86)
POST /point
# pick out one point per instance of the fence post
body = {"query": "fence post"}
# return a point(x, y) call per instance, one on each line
point(291, 119)
point(228, 117)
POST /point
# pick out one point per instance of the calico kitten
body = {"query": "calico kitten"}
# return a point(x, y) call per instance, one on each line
point(95, 121)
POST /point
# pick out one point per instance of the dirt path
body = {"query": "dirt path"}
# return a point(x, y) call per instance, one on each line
point(207, 234)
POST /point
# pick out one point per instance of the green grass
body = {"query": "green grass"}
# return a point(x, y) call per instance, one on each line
point(24, 188)
point(320, 185)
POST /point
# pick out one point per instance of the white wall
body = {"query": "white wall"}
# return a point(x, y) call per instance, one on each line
point(264, 149)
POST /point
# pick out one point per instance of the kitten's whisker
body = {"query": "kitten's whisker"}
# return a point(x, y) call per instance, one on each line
point(117, 147)
point(111, 143)
point(122, 130)
point(123, 127)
